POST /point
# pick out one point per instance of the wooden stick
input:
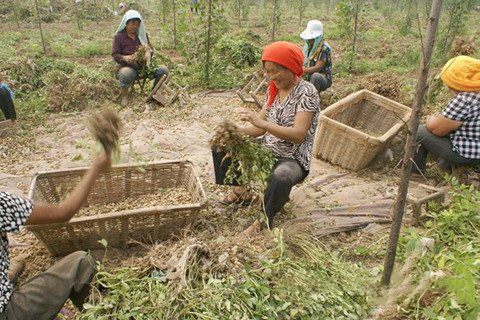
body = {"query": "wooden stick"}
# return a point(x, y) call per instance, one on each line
point(157, 86)
point(410, 146)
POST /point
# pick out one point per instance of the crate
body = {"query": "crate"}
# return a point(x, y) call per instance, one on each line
point(352, 131)
point(118, 228)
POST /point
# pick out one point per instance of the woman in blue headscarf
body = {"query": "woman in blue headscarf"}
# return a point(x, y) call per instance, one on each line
point(317, 65)
point(129, 37)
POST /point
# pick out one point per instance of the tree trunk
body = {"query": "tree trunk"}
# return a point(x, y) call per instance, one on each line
point(164, 11)
point(209, 27)
point(77, 15)
point(174, 24)
point(40, 27)
point(15, 13)
point(355, 29)
point(239, 5)
point(274, 20)
point(96, 11)
point(399, 207)
point(301, 13)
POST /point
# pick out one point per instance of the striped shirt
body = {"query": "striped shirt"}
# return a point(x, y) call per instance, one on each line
point(303, 98)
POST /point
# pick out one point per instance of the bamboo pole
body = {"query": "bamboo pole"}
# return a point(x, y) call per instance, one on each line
point(399, 207)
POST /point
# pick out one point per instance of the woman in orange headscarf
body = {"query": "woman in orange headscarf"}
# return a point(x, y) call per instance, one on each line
point(453, 136)
point(287, 123)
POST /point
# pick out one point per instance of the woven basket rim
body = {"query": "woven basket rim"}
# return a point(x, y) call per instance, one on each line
point(324, 115)
point(148, 211)
point(120, 165)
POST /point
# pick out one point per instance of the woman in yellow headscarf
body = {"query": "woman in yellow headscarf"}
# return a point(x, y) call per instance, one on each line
point(453, 136)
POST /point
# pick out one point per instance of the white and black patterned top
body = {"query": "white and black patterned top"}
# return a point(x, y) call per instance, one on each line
point(465, 107)
point(14, 212)
point(303, 98)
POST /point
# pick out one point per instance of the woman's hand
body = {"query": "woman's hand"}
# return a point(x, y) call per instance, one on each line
point(130, 59)
point(249, 116)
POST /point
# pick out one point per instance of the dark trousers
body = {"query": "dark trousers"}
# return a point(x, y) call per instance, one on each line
point(44, 295)
point(286, 173)
point(441, 148)
point(320, 82)
point(6, 104)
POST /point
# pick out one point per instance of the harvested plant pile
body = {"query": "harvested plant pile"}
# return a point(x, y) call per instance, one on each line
point(384, 83)
point(252, 162)
point(167, 196)
point(105, 127)
point(295, 279)
point(463, 47)
point(73, 91)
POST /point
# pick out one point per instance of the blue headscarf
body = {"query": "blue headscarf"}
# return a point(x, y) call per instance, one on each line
point(6, 87)
point(133, 14)
point(311, 53)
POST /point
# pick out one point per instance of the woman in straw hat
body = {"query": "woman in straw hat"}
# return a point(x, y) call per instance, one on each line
point(453, 136)
point(317, 64)
point(286, 123)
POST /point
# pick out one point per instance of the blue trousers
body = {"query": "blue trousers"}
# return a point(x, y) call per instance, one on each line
point(127, 75)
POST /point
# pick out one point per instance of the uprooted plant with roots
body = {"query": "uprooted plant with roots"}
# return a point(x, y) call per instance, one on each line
point(252, 164)
point(105, 127)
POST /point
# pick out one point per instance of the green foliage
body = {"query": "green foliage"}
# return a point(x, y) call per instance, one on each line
point(91, 49)
point(345, 14)
point(406, 24)
point(238, 51)
point(455, 230)
point(297, 281)
point(454, 24)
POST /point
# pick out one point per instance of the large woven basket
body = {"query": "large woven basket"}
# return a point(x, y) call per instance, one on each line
point(353, 130)
point(121, 182)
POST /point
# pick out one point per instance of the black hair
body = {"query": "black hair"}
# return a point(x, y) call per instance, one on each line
point(134, 19)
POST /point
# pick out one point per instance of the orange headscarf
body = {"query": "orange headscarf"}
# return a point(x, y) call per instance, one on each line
point(462, 73)
point(285, 54)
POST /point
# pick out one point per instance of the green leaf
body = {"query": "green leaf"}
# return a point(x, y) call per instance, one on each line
point(103, 242)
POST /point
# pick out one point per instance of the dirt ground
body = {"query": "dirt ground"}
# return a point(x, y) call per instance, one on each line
point(329, 201)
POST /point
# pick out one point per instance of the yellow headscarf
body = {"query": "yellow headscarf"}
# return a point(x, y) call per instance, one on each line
point(462, 73)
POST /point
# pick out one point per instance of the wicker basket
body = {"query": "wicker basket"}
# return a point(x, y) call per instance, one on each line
point(353, 130)
point(121, 182)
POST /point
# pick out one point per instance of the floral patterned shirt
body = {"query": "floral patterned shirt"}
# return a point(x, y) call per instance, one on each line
point(14, 212)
